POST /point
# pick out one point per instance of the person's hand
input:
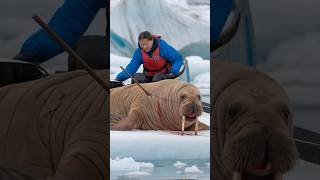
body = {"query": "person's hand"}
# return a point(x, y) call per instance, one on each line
point(115, 83)
point(170, 76)
point(117, 80)
point(23, 57)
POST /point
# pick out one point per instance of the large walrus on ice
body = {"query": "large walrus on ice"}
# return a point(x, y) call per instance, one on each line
point(252, 125)
point(168, 103)
point(55, 128)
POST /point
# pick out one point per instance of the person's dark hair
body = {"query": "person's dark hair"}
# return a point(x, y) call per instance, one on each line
point(145, 35)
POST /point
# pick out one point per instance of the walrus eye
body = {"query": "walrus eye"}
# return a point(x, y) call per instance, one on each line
point(286, 113)
point(183, 96)
point(234, 111)
point(199, 97)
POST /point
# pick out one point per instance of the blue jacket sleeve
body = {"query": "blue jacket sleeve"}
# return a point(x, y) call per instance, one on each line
point(220, 10)
point(172, 56)
point(132, 67)
point(70, 21)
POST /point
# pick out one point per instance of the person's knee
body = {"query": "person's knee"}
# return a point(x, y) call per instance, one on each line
point(140, 77)
point(158, 77)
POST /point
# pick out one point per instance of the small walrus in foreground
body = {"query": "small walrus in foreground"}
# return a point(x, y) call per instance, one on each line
point(252, 128)
point(170, 101)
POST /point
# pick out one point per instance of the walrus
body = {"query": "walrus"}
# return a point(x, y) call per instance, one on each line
point(55, 128)
point(170, 101)
point(252, 125)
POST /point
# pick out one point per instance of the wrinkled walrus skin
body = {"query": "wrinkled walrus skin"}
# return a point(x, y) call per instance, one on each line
point(131, 108)
point(252, 125)
point(55, 128)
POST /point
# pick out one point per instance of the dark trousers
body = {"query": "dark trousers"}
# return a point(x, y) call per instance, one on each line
point(142, 78)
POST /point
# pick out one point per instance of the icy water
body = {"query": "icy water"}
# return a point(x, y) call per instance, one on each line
point(164, 170)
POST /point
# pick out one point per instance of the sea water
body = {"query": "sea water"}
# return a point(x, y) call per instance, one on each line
point(165, 170)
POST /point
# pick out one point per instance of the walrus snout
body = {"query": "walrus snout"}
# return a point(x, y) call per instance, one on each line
point(190, 103)
point(190, 109)
point(256, 150)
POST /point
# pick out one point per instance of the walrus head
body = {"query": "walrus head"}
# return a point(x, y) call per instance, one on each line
point(258, 143)
point(190, 103)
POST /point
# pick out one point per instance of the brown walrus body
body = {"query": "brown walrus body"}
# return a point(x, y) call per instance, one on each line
point(55, 128)
point(170, 100)
point(252, 125)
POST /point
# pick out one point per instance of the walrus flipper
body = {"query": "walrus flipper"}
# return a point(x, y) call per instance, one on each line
point(201, 126)
point(128, 123)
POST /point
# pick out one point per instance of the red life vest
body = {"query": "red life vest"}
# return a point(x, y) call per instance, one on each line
point(155, 64)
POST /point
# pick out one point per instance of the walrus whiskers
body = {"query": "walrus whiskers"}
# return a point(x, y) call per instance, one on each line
point(183, 121)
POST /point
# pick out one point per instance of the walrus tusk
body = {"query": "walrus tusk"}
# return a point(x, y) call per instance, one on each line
point(278, 176)
point(236, 176)
point(183, 121)
point(196, 127)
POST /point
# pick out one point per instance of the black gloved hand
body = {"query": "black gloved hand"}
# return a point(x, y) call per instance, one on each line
point(28, 57)
point(21, 56)
point(170, 76)
point(116, 83)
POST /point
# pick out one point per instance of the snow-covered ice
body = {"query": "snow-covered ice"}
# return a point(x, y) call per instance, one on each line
point(128, 164)
point(146, 145)
point(183, 26)
point(179, 164)
point(137, 174)
point(295, 64)
point(192, 170)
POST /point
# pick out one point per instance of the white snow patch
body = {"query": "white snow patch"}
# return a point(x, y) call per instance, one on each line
point(193, 170)
point(146, 145)
point(137, 174)
point(128, 164)
point(295, 64)
point(297, 53)
point(179, 164)
point(197, 66)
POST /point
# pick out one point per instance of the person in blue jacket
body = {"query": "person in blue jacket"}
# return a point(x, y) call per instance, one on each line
point(219, 12)
point(70, 21)
point(160, 60)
